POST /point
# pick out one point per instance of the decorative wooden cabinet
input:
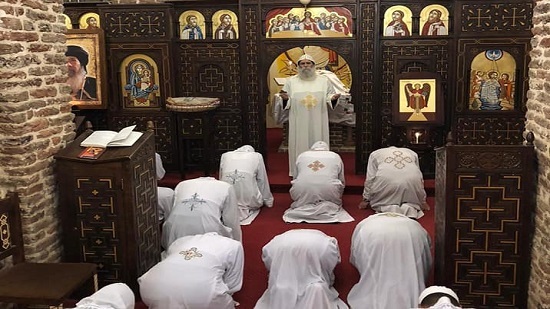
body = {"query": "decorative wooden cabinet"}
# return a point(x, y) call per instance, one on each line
point(109, 209)
point(196, 127)
point(484, 203)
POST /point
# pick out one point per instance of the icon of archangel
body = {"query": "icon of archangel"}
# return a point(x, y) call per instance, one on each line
point(417, 96)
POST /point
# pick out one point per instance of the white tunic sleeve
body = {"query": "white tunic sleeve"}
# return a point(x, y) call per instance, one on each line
point(230, 214)
point(263, 182)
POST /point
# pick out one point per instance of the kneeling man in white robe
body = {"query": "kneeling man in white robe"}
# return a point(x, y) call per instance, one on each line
point(244, 168)
point(318, 187)
point(202, 205)
point(199, 272)
point(112, 296)
point(301, 271)
point(394, 183)
point(392, 254)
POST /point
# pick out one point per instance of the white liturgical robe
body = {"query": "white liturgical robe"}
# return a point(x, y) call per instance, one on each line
point(318, 187)
point(165, 195)
point(245, 170)
point(392, 254)
point(301, 271)
point(112, 296)
point(309, 101)
point(394, 182)
point(202, 205)
point(199, 272)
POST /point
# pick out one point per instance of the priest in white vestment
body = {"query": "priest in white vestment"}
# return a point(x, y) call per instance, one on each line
point(438, 297)
point(394, 183)
point(308, 96)
point(199, 272)
point(393, 256)
point(301, 271)
point(202, 205)
point(318, 187)
point(165, 195)
point(112, 296)
point(244, 168)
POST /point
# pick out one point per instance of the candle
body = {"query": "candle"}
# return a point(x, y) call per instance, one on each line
point(417, 135)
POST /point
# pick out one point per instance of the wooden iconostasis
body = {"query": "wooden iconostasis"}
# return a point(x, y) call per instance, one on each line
point(476, 52)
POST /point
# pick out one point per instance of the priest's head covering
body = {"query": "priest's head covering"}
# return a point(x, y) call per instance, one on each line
point(320, 145)
point(246, 148)
point(112, 296)
point(79, 53)
point(446, 298)
point(306, 57)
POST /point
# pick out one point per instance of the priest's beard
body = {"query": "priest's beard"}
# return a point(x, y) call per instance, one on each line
point(306, 73)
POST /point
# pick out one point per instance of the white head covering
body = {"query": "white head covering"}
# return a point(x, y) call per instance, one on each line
point(159, 167)
point(112, 296)
point(305, 57)
point(320, 145)
point(444, 302)
point(434, 289)
point(246, 148)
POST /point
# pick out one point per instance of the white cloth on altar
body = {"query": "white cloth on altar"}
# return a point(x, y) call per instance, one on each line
point(394, 182)
point(393, 256)
point(112, 296)
point(318, 187)
point(200, 272)
point(165, 195)
point(202, 205)
point(244, 168)
point(301, 271)
point(308, 104)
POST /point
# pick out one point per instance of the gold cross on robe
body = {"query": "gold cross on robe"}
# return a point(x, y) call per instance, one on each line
point(309, 101)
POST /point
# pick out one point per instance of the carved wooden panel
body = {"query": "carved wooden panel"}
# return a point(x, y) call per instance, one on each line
point(255, 116)
point(495, 19)
point(213, 70)
point(485, 130)
point(365, 105)
point(109, 209)
point(483, 221)
point(136, 22)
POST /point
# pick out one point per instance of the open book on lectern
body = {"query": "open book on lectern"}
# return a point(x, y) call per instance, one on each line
point(105, 138)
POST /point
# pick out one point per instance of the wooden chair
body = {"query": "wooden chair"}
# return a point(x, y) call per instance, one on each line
point(34, 283)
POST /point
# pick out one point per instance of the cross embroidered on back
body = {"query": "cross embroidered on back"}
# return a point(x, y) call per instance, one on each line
point(193, 201)
point(316, 165)
point(191, 253)
point(234, 177)
point(398, 159)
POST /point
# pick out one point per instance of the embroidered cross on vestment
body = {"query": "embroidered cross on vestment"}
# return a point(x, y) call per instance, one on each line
point(309, 101)
point(193, 201)
point(316, 165)
point(191, 253)
point(398, 159)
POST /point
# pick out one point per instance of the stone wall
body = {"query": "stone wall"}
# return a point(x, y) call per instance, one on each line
point(35, 117)
point(538, 121)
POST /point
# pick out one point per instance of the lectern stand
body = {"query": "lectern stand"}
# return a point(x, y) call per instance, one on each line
point(109, 209)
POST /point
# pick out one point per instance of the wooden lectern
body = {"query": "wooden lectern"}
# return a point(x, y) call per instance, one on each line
point(108, 209)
